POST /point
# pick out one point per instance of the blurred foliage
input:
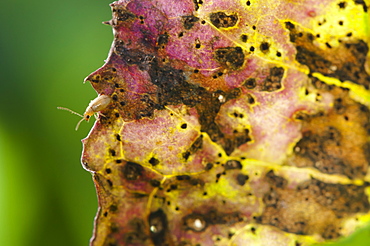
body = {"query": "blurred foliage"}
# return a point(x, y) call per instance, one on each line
point(46, 50)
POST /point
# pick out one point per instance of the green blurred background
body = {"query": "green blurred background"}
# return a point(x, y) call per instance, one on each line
point(46, 50)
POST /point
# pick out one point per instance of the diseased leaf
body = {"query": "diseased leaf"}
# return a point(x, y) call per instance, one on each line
point(232, 123)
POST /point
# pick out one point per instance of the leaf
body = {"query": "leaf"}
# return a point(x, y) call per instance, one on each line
point(232, 123)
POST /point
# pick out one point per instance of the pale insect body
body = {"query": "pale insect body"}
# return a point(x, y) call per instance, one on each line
point(95, 106)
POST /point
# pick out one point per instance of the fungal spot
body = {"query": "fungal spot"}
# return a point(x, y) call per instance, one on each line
point(231, 57)
point(183, 177)
point(186, 155)
point(275, 181)
point(184, 126)
point(108, 170)
point(278, 54)
point(112, 152)
point(244, 38)
point(233, 164)
point(114, 97)
point(264, 47)
point(250, 83)
point(189, 21)
point(113, 208)
point(342, 5)
point(197, 46)
point(208, 166)
point(197, 144)
point(155, 183)
point(181, 34)
point(132, 171)
point(289, 25)
point(242, 179)
point(248, 3)
point(314, 61)
point(254, 27)
point(194, 222)
point(362, 2)
point(154, 161)
point(340, 23)
point(328, 45)
point(162, 40)
point(273, 81)
point(141, 19)
point(105, 214)
point(197, 3)
point(110, 183)
point(251, 48)
point(158, 227)
point(118, 137)
point(116, 114)
point(118, 161)
point(222, 20)
point(122, 103)
point(120, 15)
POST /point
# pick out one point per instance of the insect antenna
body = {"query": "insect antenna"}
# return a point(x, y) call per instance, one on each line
point(78, 124)
point(71, 111)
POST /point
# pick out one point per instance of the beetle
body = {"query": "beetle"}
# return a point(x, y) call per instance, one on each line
point(94, 107)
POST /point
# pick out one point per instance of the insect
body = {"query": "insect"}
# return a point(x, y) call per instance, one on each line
point(96, 105)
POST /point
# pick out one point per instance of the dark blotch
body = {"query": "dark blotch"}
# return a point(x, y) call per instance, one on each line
point(264, 47)
point(186, 155)
point(362, 2)
point(189, 21)
point(197, 3)
point(233, 164)
point(162, 39)
point(154, 161)
point(275, 181)
point(244, 38)
point(222, 20)
point(137, 234)
point(158, 227)
point(155, 183)
point(314, 61)
point(183, 177)
point(112, 152)
point(289, 25)
point(250, 83)
point(197, 145)
point(209, 166)
point(242, 179)
point(132, 171)
point(273, 81)
point(342, 5)
point(232, 57)
point(238, 138)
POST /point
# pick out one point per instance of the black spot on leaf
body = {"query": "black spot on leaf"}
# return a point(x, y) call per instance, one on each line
point(132, 171)
point(189, 21)
point(158, 227)
point(222, 20)
point(231, 57)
